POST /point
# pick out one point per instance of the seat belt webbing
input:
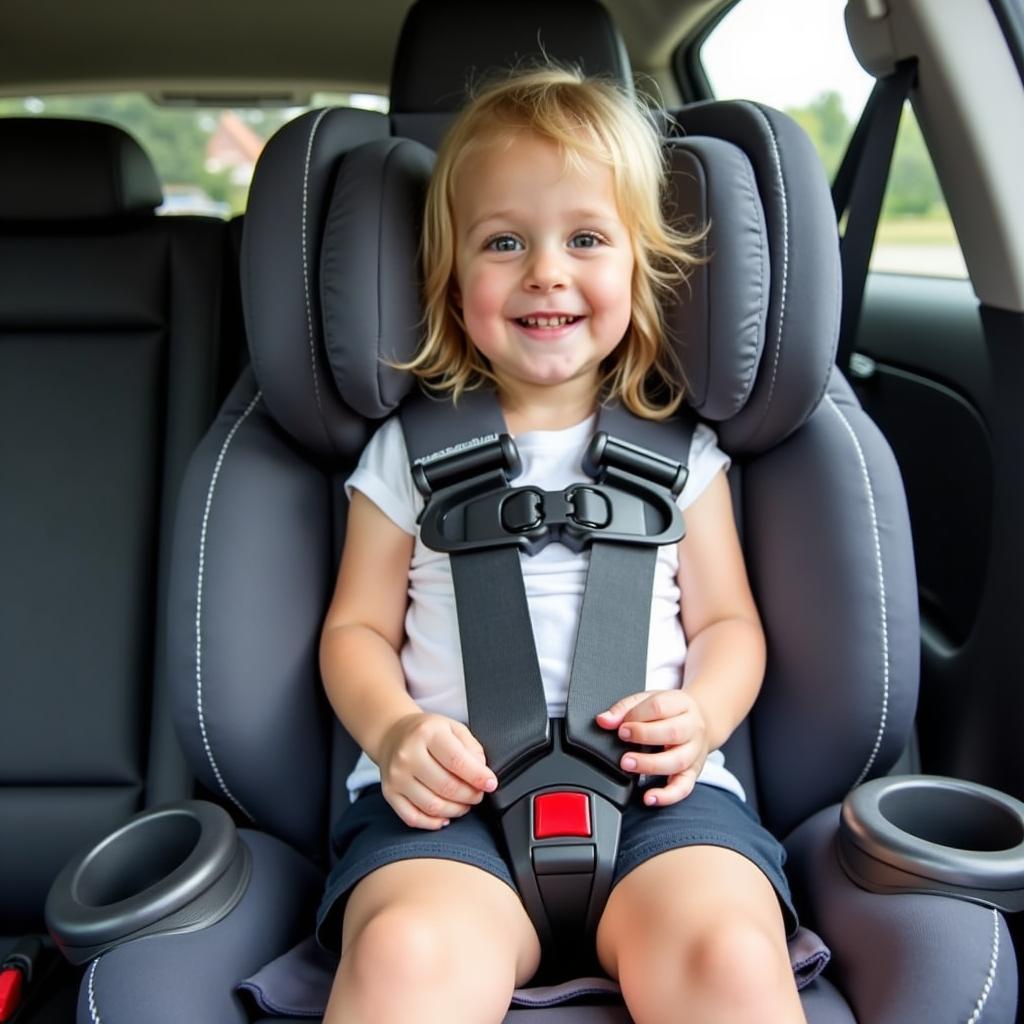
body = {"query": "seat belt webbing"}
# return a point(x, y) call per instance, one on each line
point(858, 191)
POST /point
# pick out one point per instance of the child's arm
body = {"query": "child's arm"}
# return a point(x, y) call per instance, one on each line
point(725, 658)
point(432, 768)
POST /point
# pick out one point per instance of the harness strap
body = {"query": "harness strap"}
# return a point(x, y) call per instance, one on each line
point(508, 713)
point(610, 658)
point(561, 790)
point(463, 450)
point(610, 661)
point(504, 691)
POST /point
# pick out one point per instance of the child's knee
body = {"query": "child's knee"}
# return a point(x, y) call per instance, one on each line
point(729, 962)
point(398, 947)
point(738, 961)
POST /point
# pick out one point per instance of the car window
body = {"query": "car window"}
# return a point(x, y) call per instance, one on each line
point(794, 55)
point(204, 155)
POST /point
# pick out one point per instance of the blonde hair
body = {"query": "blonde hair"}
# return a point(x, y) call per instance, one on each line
point(587, 119)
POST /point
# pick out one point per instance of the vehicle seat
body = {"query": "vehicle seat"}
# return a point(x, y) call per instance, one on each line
point(110, 334)
point(330, 286)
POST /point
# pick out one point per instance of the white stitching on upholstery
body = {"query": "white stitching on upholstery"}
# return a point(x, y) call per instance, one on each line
point(986, 989)
point(199, 604)
point(94, 1014)
point(881, 589)
point(785, 262)
point(305, 262)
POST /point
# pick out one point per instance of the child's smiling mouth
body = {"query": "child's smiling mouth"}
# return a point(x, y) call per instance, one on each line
point(547, 326)
point(552, 320)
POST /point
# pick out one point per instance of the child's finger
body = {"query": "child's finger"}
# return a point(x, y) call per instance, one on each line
point(412, 815)
point(679, 787)
point(610, 718)
point(426, 799)
point(668, 732)
point(471, 742)
point(658, 704)
point(446, 785)
point(451, 753)
point(664, 762)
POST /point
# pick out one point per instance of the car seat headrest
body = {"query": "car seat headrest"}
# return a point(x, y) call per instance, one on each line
point(330, 281)
point(711, 185)
point(804, 292)
point(448, 46)
point(60, 169)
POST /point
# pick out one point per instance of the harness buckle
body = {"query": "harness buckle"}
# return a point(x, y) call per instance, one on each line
point(561, 818)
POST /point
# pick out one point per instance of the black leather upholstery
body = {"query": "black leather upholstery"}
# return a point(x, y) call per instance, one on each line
point(110, 332)
point(473, 38)
point(61, 169)
point(476, 39)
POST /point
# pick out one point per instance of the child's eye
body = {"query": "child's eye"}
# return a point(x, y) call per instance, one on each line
point(503, 243)
point(586, 240)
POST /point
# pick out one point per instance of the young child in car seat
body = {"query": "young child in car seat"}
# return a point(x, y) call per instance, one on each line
point(545, 252)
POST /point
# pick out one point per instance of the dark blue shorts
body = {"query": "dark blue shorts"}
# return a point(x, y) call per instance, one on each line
point(370, 834)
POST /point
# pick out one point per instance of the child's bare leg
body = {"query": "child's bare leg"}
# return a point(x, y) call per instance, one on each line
point(696, 935)
point(431, 941)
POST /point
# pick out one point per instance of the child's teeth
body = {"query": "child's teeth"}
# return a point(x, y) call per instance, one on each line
point(546, 321)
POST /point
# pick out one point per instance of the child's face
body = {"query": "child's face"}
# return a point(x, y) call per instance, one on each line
point(543, 264)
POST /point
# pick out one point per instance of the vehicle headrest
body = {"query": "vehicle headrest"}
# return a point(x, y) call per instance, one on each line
point(64, 169)
point(446, 46)
point(331, 276)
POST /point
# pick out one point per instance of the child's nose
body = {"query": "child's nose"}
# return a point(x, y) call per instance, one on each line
point(545, 272)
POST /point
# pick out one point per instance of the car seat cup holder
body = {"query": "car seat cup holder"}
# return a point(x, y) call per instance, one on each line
point(931, 834)
point(180, 867)
point(561, 817)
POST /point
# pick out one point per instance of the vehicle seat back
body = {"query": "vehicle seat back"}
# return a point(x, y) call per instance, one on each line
point(110, 332)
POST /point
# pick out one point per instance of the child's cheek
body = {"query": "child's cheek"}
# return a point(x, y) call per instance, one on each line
point(612, 299)
point(486, 292)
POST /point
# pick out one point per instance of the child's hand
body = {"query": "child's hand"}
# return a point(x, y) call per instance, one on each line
point(668, 718)
point(432, 769)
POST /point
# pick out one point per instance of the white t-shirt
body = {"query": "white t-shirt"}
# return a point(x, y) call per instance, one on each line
point(554, 578)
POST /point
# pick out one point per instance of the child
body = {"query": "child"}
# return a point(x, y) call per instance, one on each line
point(544, 249)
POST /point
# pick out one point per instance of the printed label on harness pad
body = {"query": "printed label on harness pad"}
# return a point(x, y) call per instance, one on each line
point(462, 446)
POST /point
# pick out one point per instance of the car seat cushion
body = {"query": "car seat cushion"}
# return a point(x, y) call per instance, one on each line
point(712, 187)
point(298, 983)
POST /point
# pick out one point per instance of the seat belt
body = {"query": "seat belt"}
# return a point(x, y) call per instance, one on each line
point(858, 191)
point(561, 792)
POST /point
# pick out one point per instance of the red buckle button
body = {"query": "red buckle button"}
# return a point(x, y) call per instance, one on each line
point(561, 814)
point(10, 992)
